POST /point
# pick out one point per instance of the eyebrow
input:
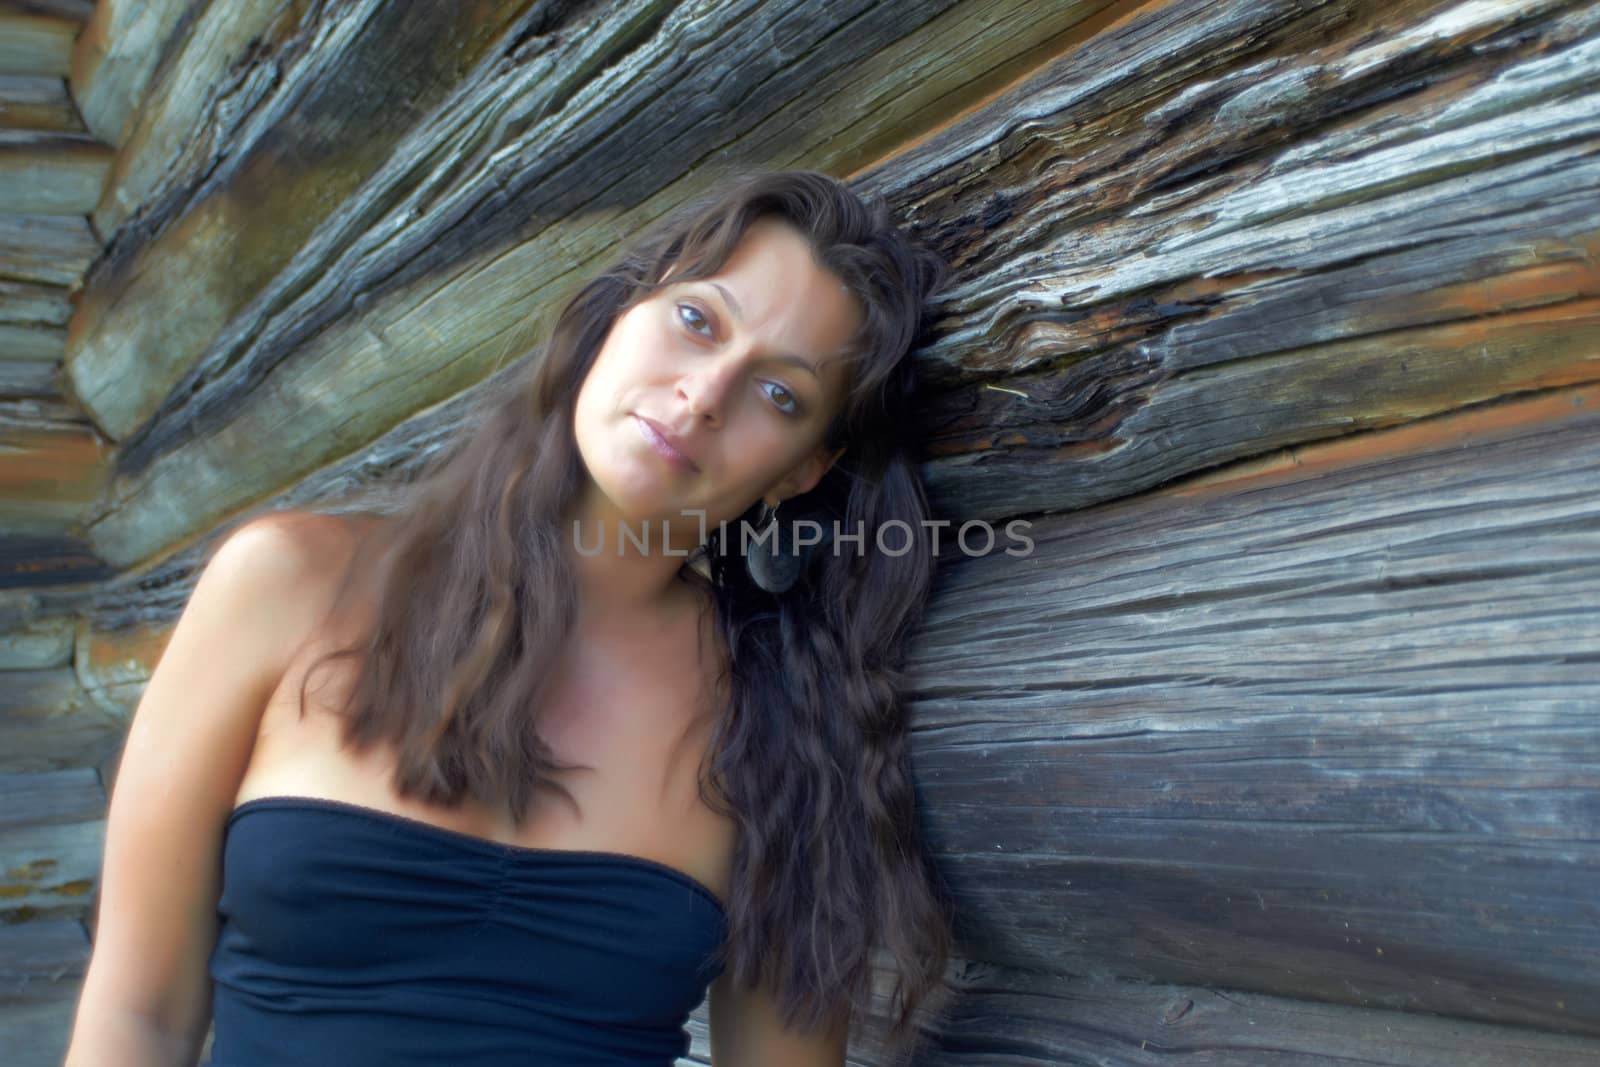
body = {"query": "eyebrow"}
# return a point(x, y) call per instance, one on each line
point(783, 357)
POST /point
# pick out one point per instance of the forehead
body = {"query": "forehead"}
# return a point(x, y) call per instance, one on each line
point(778, 293)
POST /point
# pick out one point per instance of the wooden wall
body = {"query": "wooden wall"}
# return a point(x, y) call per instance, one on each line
point(1278, 322)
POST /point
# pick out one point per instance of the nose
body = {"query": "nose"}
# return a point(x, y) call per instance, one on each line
point(704, 388)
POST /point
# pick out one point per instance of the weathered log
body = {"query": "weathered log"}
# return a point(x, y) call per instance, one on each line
point(426, 279)
point(128, 618)
point(33, 305)
point(50, 797)
point(48, 723)
point(301, 129)
point(1098, 400)
point(1020, 1018)
point(53, 249)
point(75, 11)
point(220, 66)
point(42, 964)
point(1027, 1018)
point(37, 103)
point(51, 869)
point(1324, 730)
point(117, 51)
point(33, 344)
point(29, 377)
point(1201, 273)
point(51, 173)
point(54, 460)
point(113, 666)
point(36, 35)
point(36, 643)
point(131, 612)
point(43, 550)
point(33, 320)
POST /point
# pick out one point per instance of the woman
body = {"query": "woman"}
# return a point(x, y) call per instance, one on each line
point(596, 733)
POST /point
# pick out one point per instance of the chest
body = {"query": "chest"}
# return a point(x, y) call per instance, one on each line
point(636, 712)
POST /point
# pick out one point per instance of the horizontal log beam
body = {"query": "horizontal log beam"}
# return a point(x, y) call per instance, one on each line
point(46, 798)
point(35, 39)
point(55, 462)
point(42, 964)
point(1322, 730)
point(37, 103)
point(36, 642)
point(48, 723)
point(1027, 1018)
point(51, 173)
point(33, 374)
point(48, 554)
point(32, 344)
point(50, 870)
point(33, 305)
point(48, 249)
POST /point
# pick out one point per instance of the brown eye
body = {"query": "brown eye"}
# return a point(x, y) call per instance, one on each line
point(783, 399)
point(697, 317)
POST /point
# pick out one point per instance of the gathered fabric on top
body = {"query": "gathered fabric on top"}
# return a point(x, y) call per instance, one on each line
point(353, 936)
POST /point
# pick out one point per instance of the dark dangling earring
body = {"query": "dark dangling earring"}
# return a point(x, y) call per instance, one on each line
point(773, 558)
point(761, 556)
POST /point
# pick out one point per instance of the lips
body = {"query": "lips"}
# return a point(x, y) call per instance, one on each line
point(666, 443)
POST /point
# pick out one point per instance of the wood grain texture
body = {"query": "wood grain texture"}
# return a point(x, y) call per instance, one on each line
point(427, 281)
point(117, 52)
point(42, 551)
point(1328, 732)
point(42, 964)
point(51, 173)
point(32, 375)
point(216, 68)
point(52, 832)
point(1277, 320)
point(50, 869)
point(304, 128)
point(113, 665)
point(36, 642)
point(33, 305)
point(1006, 1018)
point(36, 38)
point(46, 798)
point(1227, 228)
point(48, 723)
point(48, 249)
point(1000, 1017)
point(37, 103)
point(54, 461)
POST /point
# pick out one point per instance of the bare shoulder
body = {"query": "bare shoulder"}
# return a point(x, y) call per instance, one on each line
point(292, 546)
point(289, 543)
point(285, 565)
point(178, 773)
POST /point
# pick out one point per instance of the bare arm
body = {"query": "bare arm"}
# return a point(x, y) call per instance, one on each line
point(146, 997)
point(746, 1031)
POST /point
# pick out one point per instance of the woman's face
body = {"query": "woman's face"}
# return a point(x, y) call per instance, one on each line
point(739, 371)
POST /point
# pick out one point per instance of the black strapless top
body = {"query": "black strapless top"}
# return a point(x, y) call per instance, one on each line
point(352, 936)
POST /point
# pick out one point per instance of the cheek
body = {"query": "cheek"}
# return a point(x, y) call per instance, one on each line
point(631, 353)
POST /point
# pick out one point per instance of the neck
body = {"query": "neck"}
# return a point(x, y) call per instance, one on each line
point(626, 567)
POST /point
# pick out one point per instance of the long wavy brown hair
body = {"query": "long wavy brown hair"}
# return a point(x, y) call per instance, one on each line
point(808, 748)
